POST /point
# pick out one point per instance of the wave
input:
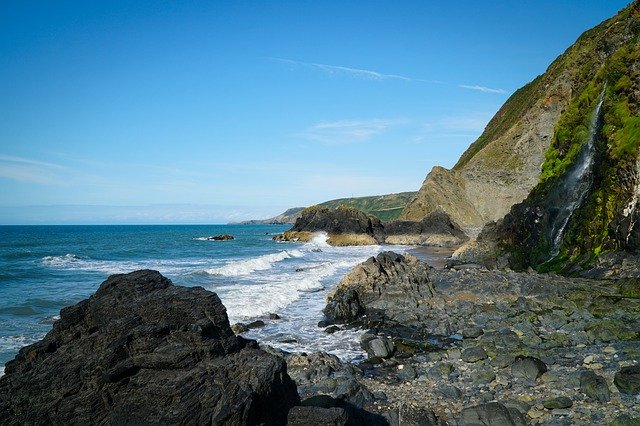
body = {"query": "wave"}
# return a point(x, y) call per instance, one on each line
point(245, 267)
point(318, 240)
point(72, 261)
point(14, 343)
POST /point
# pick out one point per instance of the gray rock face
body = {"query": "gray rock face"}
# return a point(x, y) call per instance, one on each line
point(388, 281)
point(141, 351)
point(343, 220)
point(436, 229)
point(491, 414)
point(528, 369)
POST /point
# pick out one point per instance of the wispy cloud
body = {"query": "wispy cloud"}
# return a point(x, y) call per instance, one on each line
point(375, 75)
point(28, 170)
point(347, 131)
point(354, 72)
point(481, 88)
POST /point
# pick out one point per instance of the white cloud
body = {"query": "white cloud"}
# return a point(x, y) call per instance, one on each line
point(28, 170)
point(481, 88)
point(347, 131)
point(353, 72)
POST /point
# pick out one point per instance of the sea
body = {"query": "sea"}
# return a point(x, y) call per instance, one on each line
point(46, 268)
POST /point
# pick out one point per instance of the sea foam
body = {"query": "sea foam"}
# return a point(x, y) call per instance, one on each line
point(247, 266)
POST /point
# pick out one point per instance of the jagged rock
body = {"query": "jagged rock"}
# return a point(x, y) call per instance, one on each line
point(491, 414)
point(344, 226)
point(559, 402)
point(412, 416)
point(528, 369)
point(223, 237)
point(141, 350)
point(473, 354)
point(388, 281)
point(321, 373)
point(325, 410)
point(594, 386)
point(304, 416)
point(627, 380)
point(436, 229)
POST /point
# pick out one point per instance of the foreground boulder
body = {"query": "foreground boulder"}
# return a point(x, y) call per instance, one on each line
point(140, 351)
point(344, 225)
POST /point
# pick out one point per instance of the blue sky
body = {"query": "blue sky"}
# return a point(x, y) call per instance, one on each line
point(206, 112)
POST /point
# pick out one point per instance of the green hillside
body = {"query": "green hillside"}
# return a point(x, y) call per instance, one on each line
point(384, 207)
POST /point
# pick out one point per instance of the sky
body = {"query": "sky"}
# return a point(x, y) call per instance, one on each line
point(217, 111)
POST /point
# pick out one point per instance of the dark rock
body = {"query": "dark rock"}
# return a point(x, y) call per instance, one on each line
point(304, 416)
point(331, 329)
point(472, 332)
point(559, 402)
point(341, 220)
point(437, 224)
point(483, 376)
point(388, 281)
point(223, 237)
point(239, 328)
point(413, 416)
point(273, 316)
point(450, 391)
point(491, 414)
point(378, 347)
point(141, 350)
point(324, 373)
point(594, 386)
point(473, 354)
point(255, 324)
point(627, 380)
point(527, 369)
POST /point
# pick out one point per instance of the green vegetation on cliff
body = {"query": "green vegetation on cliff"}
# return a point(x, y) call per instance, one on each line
point(604, 58)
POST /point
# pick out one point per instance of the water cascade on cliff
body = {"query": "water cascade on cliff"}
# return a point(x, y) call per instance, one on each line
point(574, 186)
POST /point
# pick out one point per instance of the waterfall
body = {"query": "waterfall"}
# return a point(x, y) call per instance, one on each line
point(575, 184)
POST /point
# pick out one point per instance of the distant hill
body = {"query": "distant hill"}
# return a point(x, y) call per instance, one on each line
point(384, 207)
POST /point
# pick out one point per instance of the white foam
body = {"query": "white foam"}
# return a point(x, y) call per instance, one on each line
point(61, 261)
point(170, 267)
point(1, 371)
point(318, 240)
point(248, 266)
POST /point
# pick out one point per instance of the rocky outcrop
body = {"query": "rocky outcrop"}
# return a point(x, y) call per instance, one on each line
point(389, 282)
point(545, 347)
point(143, 351)
point(344, 226)
point(436, 229)
point(287, 217)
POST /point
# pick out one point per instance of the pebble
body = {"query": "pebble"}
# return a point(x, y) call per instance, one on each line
point(588, 359)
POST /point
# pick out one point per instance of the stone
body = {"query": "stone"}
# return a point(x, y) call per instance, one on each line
point(627, 380)
point(450, 391)
point(406, 373)
point(223, 237)
point(527, 369)
point(473, 354)
point(594, 386)
point(304, 416)
point(558, 402)
point(331, 329)
point(379, 347)
point(472, 332)
point(483, 376)
point(491, 414)
point(141, 350)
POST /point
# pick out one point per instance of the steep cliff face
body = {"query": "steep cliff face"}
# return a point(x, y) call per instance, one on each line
point(587, 197)
point(502, 167)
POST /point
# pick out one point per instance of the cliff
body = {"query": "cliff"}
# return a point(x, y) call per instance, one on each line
point(502, 167)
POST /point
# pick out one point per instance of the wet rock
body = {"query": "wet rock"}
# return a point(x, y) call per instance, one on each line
point(255, 324)
point(331, 329)
point(594, 386)
point(472, 332)
point(325, 410)
point(527, 369)
point(239, 328)
point(473, 354)
point(140, 340)
point(491, 414)
point(414, 416)
point(558, 402)
point(223, 237)
point(627, 380)
point(377, 347)
point(273, 316)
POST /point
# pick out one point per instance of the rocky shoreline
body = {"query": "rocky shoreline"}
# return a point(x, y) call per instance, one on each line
point(458, 346)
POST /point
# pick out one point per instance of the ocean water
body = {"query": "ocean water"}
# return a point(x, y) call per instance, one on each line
point(45, 268)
